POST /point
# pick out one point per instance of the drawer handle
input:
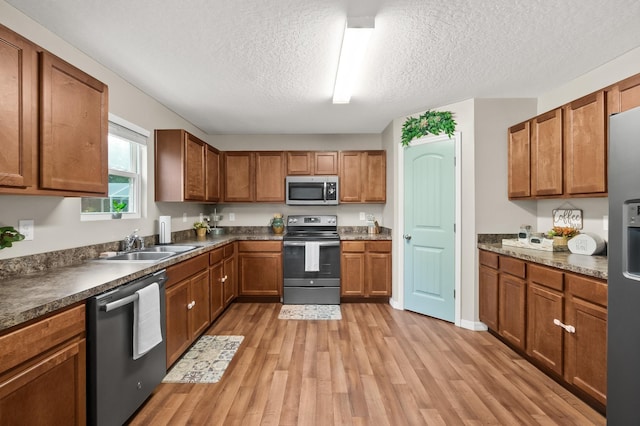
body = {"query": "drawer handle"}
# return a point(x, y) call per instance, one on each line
point(568, 328)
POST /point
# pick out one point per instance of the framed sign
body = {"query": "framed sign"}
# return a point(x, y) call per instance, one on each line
point(567, 218)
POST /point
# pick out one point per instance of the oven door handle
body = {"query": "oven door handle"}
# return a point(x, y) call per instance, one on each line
point(320, 243)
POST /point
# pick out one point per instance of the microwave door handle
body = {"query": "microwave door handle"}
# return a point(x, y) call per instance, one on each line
point(324, 192)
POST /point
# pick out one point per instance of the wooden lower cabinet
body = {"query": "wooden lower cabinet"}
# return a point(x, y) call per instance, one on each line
point(557, 319)
point(187, 304)
point(43, 372)
point(222, 278)
point(365, 269)
point(260, 268)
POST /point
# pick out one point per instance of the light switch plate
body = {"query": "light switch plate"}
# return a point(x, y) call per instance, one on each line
point(363, 216)
point(232, 217)
point(25, 227)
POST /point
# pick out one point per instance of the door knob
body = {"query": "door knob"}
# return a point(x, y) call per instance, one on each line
point(407, 236)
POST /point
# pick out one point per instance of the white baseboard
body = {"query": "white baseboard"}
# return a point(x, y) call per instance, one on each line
point(395, 305)
point(473, 325)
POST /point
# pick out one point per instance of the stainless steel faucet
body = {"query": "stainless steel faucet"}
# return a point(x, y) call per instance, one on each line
point(129, 241)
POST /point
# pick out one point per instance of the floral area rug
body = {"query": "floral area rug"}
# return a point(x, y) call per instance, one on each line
point(206, 361)
point(310, 312)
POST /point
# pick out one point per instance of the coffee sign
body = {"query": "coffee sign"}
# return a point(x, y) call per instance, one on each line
point(567, 218)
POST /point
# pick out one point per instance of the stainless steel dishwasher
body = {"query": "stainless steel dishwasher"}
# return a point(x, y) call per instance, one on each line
point(118, 384)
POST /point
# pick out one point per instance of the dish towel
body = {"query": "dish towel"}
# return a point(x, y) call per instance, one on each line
point(146, 320)
point(311, 256)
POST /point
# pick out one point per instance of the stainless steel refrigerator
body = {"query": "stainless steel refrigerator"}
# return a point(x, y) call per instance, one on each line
point(623, 326)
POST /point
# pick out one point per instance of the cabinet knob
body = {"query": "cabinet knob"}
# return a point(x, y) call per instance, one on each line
point(224, 279)
point(191, 305)
point(407, 236)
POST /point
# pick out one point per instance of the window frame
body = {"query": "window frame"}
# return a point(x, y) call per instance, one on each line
point(139, 178)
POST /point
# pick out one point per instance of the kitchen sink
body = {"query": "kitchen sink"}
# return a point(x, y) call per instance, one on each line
point(170, 248)
point(140, 256)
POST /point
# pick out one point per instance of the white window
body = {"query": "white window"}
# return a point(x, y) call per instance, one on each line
point(127, 154)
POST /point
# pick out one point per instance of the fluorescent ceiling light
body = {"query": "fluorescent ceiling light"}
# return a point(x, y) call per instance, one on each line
point(354, 44)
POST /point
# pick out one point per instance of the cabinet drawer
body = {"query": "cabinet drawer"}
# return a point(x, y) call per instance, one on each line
point(513, 266)
point(353, 246)
point(589, 289)
point(378, 246)
point(182, 270)
point(229, 250)
point(546, 277)
point(27, 342)
point(216, 256)
point(489, 259)
point(262, 246)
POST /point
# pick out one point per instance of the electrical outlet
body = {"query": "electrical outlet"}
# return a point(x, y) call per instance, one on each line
point(200, 218)
point(232, 217)
point(184, 217)
point(605, 222)
point(25, 227)
point(363, 216)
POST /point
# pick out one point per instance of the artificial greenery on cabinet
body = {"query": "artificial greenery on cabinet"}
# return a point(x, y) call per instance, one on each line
point(431, 122)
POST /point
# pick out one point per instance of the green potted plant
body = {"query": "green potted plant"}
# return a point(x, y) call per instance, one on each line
point(117, 207)
point(202, 229)
point(8, 236)
point(431, 122)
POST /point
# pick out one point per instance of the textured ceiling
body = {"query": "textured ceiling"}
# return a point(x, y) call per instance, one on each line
point(268, 66)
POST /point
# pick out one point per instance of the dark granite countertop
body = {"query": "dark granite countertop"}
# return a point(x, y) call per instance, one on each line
point(593, 266)
point(24, 297)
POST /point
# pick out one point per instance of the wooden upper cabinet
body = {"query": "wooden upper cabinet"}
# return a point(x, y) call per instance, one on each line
point(312, 163)
point(363, 176)
point(585, 146)
point(18, 109)
point(183, 165)
point(194, 168)
point(519, 153)
point(254, 176)
point(546, 154)
point(624, 95)
point(239, 176)
point(74, 128)
point(212, 174)
point(325, 162)
point(270, 176)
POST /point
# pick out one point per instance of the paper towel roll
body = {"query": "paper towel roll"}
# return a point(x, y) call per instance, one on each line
point(164, 229)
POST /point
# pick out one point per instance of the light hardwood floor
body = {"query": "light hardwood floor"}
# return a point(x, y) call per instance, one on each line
point(377, 366)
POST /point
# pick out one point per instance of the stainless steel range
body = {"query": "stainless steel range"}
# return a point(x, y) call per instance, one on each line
point(311, 261)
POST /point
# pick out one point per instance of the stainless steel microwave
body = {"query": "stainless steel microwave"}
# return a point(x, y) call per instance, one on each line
point(312, 190)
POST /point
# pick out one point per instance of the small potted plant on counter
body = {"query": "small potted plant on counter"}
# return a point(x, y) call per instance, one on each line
point(8, 236)
point(561, 235)
point(202, 229)
point(117, 207)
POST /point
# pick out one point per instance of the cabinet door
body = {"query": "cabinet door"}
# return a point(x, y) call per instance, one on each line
point(299, 163)
point(51, 391)
point(374, 186)
point(260, 274)
point(519, 160)
point(199, 313)
point(177, 321)
point(624, 96)
point(270, 175)
point(585, 146)
point(350, 176)
point(325, 163)
point(544, 338)
point(194, 168)
point(352, 275)
point(378, 271)
point(74, 128)
point(586, 348)
point(239, 173)
point(546, 154)
point(212, 175)
point(511, 322)
point(488, 303)
point(216, 284)
point(230, 283)
point(18, 109)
